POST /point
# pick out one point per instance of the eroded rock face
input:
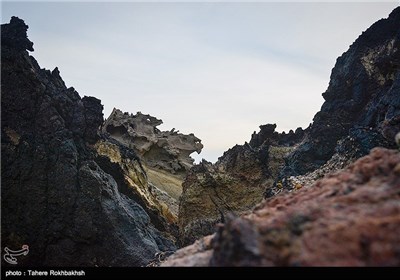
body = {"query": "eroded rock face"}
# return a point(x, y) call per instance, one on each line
point(236, 183)
point(166, 150)
point(362, 103)
point(162, 159)
point(127, 169)
point(350, 218)
point(55, 196)
point(361, 111)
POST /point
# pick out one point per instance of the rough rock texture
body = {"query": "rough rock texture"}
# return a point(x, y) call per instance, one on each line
point(236, 183)
point(268, 136)
point(163, 159)
point(167, 150)
point(197, 254)
point(361, 111)
point(350, 218)
point(362, 103)
point(127, 169)
point(55, 197)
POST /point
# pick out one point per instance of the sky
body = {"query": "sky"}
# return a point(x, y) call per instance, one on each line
point(215, 69)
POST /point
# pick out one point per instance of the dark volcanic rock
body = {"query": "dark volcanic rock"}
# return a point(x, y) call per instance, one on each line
point(55, 198)
point(351, 218)
point(268, 136)
point(362, 103)
point(361, 111)
point(15, 37)
point(92, 107)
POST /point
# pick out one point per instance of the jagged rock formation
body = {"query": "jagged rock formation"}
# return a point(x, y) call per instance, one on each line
point(268, 136)
point(362, 103)
point(236, 183)
point(350, 218)
point(127, 170)
point(58, 196)
point(163, 158)
point(167, 150)
point(361, 111)
point(82, 193)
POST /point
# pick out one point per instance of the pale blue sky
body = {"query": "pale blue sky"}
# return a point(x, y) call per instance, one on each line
point(218, 70)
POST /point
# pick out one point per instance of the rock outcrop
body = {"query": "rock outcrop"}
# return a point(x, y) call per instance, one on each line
point(166, 150)
point(362, 103)
point(350, 218)
point(361, 111)
point(81, 192)
point(58, 194)
point(236, 183)
point(127, 170)
point(162, 159)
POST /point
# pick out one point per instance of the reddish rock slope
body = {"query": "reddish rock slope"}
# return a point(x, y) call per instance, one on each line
point(350, 218)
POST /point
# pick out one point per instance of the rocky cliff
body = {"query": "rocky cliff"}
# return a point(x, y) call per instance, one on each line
point(362, 102)
point(236, 183)
point(361, 111)
point(83, 192)
point(71, 205)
